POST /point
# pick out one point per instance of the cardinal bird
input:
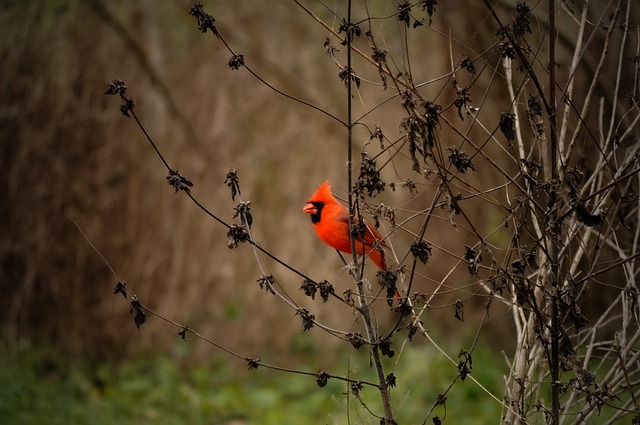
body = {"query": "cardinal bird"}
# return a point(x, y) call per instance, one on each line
point(331, 221)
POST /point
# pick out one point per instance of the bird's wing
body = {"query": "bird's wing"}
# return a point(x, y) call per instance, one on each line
point(371, 236)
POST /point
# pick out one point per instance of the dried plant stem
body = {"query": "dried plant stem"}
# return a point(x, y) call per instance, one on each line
point(590, 93)
point(363, 307)
point(555, 234)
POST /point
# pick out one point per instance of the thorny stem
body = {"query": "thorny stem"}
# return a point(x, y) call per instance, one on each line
point(255, 361)
point(185, 329)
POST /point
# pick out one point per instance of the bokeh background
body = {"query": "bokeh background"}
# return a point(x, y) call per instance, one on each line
point(70, 156)
point(69, 159)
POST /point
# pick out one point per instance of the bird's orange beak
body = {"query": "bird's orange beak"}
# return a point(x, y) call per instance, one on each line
point(310, 209)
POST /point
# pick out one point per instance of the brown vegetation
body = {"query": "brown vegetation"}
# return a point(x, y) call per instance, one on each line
point(487, 193)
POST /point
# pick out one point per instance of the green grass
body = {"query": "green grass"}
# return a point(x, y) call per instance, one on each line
point(37, 389)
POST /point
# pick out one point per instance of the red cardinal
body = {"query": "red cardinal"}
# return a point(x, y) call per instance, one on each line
point(331, 221)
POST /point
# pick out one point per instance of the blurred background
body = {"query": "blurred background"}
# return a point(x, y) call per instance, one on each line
point(70, 156)
point(70, 160)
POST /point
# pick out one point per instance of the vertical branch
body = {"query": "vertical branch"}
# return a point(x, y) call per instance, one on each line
point(568, 89)
point(555, 229)
point(363, 307)
point(350, 138)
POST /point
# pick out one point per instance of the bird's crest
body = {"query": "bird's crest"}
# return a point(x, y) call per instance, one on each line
point(323, 193)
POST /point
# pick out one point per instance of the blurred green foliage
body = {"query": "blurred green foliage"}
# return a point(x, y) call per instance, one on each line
point(39, 388)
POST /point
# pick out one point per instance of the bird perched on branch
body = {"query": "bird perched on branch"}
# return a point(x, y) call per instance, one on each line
point(331, 221)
